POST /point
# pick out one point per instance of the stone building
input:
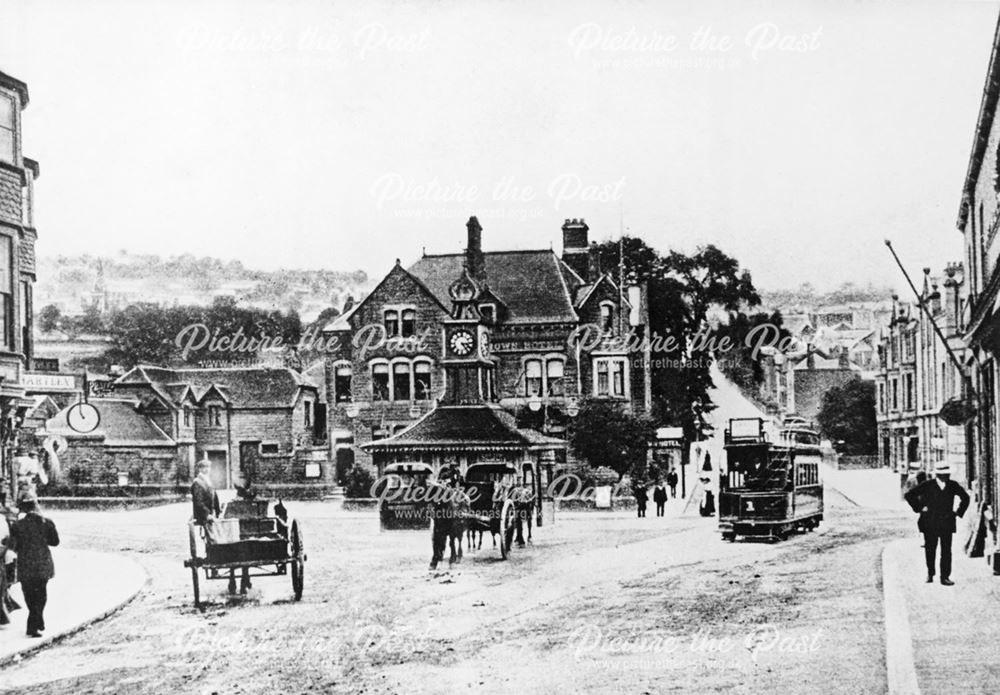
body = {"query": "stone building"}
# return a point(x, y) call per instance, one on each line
point(254, 424)
point(917, 377)
point(17, 266)
point(794, 383)
point(556, 330)
point(979, 317)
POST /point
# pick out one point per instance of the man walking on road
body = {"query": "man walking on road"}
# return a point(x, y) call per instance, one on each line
point(32, 536)
point(660, 497)
point(672, 483)
point(935, 500)
point(641, 497)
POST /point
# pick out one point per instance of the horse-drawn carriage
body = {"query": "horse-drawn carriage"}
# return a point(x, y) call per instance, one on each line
point(251, 537)
point(403, 493)
point(498, 498)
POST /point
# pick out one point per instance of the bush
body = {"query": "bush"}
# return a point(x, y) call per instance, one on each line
point(603, 475)
point(78, 474)
point(358, 483)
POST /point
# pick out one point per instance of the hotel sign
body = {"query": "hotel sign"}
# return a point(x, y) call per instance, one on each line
point(529, 346)
point(48, 382)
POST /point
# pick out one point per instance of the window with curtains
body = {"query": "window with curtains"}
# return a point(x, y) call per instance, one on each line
point(401, 381)
point(391, 323)
point(409, 327)
point(380, 382)
point(7, 292)
point(533, 378)
point(554, 377)
point(610, 378)
point(8, 122)
point(422, 381)
point(342, 383)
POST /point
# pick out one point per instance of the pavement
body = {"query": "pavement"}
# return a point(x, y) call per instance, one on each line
point(88, 587)
point(939, 639)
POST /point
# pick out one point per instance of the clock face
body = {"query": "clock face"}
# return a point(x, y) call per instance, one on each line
point(461, 343)
point(83, 418)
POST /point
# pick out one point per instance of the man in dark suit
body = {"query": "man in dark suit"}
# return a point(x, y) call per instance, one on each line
point(204, 501)
point(934, 500)
point(660, 497)
point(672, 482)
point(641, 497)
point(32, 535)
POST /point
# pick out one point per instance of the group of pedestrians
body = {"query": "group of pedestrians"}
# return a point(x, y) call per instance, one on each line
point(659, 495)
point(26, 538)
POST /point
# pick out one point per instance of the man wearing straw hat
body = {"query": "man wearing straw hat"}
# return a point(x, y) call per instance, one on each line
point(935, 500)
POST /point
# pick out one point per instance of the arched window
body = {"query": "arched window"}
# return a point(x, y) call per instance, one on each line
point(554, 377)
point(391, 323)
point(422, 381)
point(409, 322)
point(533, 377)
point(380, 381)
point(401, 381)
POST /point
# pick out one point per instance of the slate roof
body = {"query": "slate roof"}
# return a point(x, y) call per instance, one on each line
point(466, 427)
point(244, 387)
point(121, 425)
point(533, 284)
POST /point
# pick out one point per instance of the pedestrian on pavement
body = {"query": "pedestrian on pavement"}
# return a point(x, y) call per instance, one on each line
point(935, 501)
point(660, 497)
point(641, 497)
point(7, 519)
point(672, 483)
point(32, 535)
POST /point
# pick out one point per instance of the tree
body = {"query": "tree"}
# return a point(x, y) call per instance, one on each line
point(738, 363)
point(49, 318)
point(847, 417)
point(605, 434)
point(682, 290)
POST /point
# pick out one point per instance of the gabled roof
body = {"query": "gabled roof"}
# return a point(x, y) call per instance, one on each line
point(121, 425)
point(466, 427)
point(243, 387)
point(531, 283)
point(343, 322)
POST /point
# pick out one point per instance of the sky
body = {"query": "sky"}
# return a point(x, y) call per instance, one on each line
point(794, 135)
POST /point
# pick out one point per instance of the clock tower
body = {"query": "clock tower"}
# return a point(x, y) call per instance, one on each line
point(470, 372)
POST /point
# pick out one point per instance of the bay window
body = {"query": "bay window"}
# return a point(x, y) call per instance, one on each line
point(533, 378)
point(401, 381)
point(7, 292)
point(380, 382)
point(8, 120)
point(554, 377)
point(422, 381)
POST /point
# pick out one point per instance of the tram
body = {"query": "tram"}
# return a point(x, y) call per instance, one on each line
point(769, 490)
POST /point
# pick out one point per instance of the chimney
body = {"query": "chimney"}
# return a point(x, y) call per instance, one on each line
point(575, 249)
point(474, 258)
point(952, 300)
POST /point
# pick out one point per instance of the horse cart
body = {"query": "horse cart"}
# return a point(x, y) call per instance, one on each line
point(254, 538)
point(403, 495)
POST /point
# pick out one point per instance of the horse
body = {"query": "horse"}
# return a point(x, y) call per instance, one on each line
point(449, 510)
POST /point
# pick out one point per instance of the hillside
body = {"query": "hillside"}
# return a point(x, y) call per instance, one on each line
point(77, 283)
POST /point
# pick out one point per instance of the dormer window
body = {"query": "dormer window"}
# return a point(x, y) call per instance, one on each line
point(391, 323)
point(8, 119)
point(607, 317)
point(488, 312)
point(409, 322)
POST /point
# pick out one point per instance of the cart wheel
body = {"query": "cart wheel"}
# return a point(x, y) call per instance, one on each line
point(298, 561)
point(194, 583)
point(508, 524)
